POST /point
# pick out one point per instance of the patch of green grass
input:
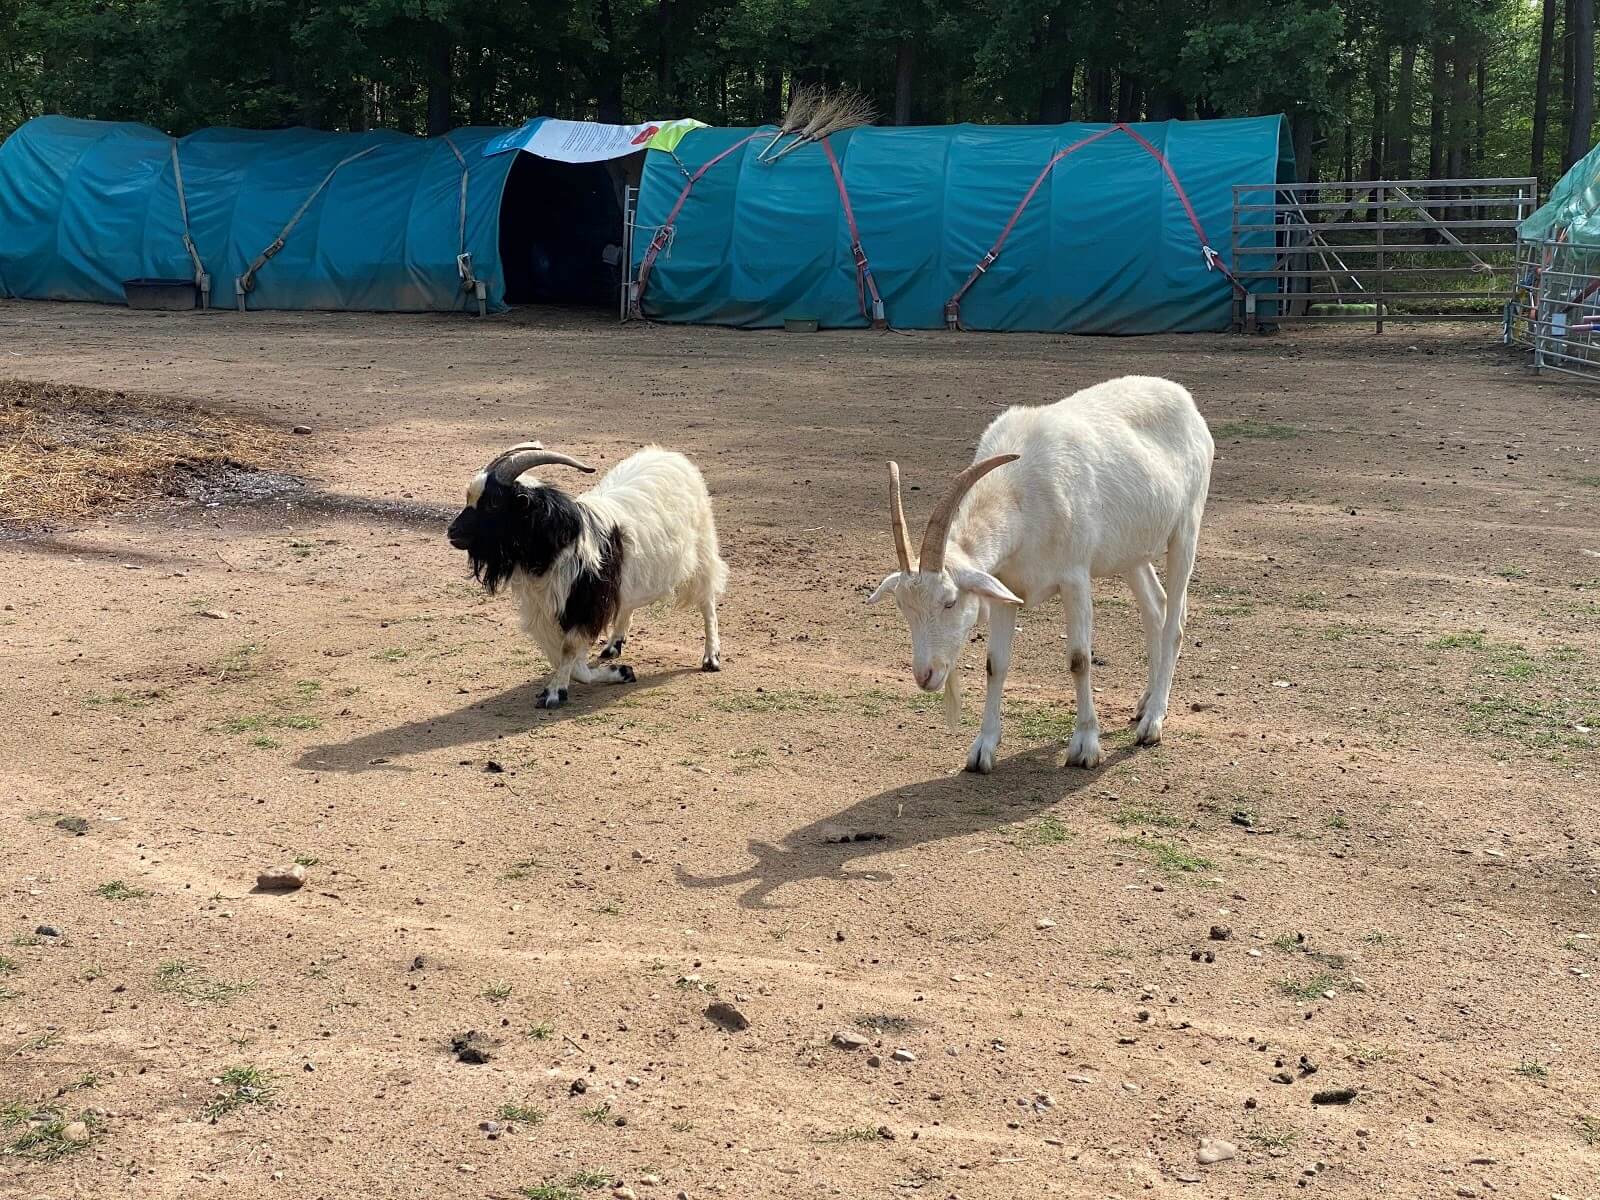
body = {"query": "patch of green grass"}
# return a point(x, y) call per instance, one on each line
point(1367, 1055)
point(15, 1112)
point(588, 1179)
point(570, 1188)
point(1376, 938)
point(1154, 818)
point(496, 991)
point(1039, 722)
point(242, 662)
point(1274, 1139)
point(7, 964)
point(874, 702)
point(1168, 856)
point(1336, 821)
point(611, 908)
point(240, 1086)
point(392, 655)
point(1261, 430)
point(1307, 990)
point(1231, 610)
point(686, 1126)
point(8, 994)
point(1530, 1069)
point(193, 985)
point(307, 860)
point(542, 1032)
point(520, 870)
point(525, 1114)
point(776, 701)
point(1310, 601)
point(853, 1133)
point(89, 1079)
point(260, 722)
point(1511, 573)
point(263, 742)
point(123, 699)
point(47, 1142)
point(597, 1114)
point(1121, 952)
point(42, 1042)
point(1046, 831)
point(307, 689)
point(27, 939)
point(117, 890)
point(1589, 1130)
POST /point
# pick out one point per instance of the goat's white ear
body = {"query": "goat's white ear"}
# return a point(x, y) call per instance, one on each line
point(983, 584)
point(890, 582)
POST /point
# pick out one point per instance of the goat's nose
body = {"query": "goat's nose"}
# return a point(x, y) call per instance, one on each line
point(923, 676)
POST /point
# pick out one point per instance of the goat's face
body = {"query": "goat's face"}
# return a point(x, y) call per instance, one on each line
point(941, 607)
point(507, 527)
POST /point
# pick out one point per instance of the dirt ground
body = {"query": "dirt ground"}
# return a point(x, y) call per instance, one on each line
point(1380, 772)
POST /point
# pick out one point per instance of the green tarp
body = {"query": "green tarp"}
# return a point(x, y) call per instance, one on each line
point(1573, 211)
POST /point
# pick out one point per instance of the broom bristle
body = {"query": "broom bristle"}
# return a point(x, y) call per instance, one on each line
point(843, 110)
point(803, 100)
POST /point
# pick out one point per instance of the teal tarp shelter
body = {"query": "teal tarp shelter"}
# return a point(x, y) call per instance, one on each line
point(382, 217)
point(1572, 214)
point(1105, 244)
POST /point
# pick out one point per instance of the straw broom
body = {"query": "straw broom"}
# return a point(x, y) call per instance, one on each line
point(803, 101)
point(834, 114)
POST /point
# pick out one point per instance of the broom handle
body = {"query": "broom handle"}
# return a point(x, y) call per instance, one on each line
point(799, 138)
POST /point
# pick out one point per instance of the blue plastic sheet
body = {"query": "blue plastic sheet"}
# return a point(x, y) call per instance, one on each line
point(87, 205)
point(1105, 246)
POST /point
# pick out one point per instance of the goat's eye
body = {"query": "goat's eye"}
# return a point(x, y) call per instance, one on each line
point(951, 603)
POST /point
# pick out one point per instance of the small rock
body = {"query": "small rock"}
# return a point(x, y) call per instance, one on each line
point(47, 931)
point(624, 1193)
point(489, 1127)
point(874, 1060)
point(578, 1088)
point(493, 768)
point(302, 430)
point(1214, 1150)
point(76, 826)
point(650, 1180)
point(1045, 923)
point(470, 1047)
point(1333, 1096)
point(1221, 933)
point(886, 1133)
point(1467, 1192)
point(903, 1055)
point(1283, 1077)
point(282, 879)
point(1249, 1101)
point(1079, 1079)
point(726, 1016)
point(215, 614)
point(847, 1040)
point(75, 1131)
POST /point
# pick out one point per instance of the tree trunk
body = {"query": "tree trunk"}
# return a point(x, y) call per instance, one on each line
point(772, 94)
point(479, 72)
point(438, 82)
point(1457, 162)
point(1541, 91)
point(608, 72)
point(1302, 127)
point(1566, 66)
point(1130, 97)
point(905, 75)
point(1403, 116)
point(1380, 113)
point(663, 51)
point(1439, 101)
point(1097, 89)
point(1055, 94)
point(1578, 126)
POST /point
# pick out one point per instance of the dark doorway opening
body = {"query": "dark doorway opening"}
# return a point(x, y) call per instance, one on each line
point(561, 230)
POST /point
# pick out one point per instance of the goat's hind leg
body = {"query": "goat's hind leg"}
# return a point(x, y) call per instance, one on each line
point(568, 662)
point(1180, 565)
point(1152, 602)
point(619, 635)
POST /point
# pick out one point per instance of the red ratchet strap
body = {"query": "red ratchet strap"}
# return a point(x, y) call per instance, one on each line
point(952, 307)
point(664, 234)
point(864, 281)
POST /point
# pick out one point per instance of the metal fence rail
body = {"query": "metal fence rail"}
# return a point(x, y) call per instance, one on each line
point(1376, 250)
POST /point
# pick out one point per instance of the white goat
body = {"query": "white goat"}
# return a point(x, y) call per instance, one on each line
point(581, 565)
point(1104, 483)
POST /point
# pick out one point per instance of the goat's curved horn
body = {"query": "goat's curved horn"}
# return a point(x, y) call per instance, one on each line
point(938, 531)
point(897, 519)
point(527, 455)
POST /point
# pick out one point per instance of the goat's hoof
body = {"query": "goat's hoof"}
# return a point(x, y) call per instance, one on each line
point(980, 759)
point(711, 664)
point(1138, 712)
point(626, 675)
point(614, 649)
point(553, 698)
point(1085, 752)
point(1148, 731)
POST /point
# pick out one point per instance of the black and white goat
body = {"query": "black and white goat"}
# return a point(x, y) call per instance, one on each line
point(1105, 482)
point(579, 566)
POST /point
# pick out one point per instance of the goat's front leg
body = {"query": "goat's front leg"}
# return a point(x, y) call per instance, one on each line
point(1077, 596)
point(1002, 628)
point(566, 661)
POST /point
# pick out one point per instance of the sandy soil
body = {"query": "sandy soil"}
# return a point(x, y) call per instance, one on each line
point(1380, 772)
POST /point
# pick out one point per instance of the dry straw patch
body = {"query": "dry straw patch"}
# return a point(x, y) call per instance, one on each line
point(66, 452)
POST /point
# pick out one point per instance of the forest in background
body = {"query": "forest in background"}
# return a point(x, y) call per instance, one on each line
point(1403, 89)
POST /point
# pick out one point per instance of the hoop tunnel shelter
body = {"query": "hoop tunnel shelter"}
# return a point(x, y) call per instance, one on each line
point(87, 205)
point(1105, 245)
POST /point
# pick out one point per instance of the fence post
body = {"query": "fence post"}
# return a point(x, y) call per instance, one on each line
point(1383, 217)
